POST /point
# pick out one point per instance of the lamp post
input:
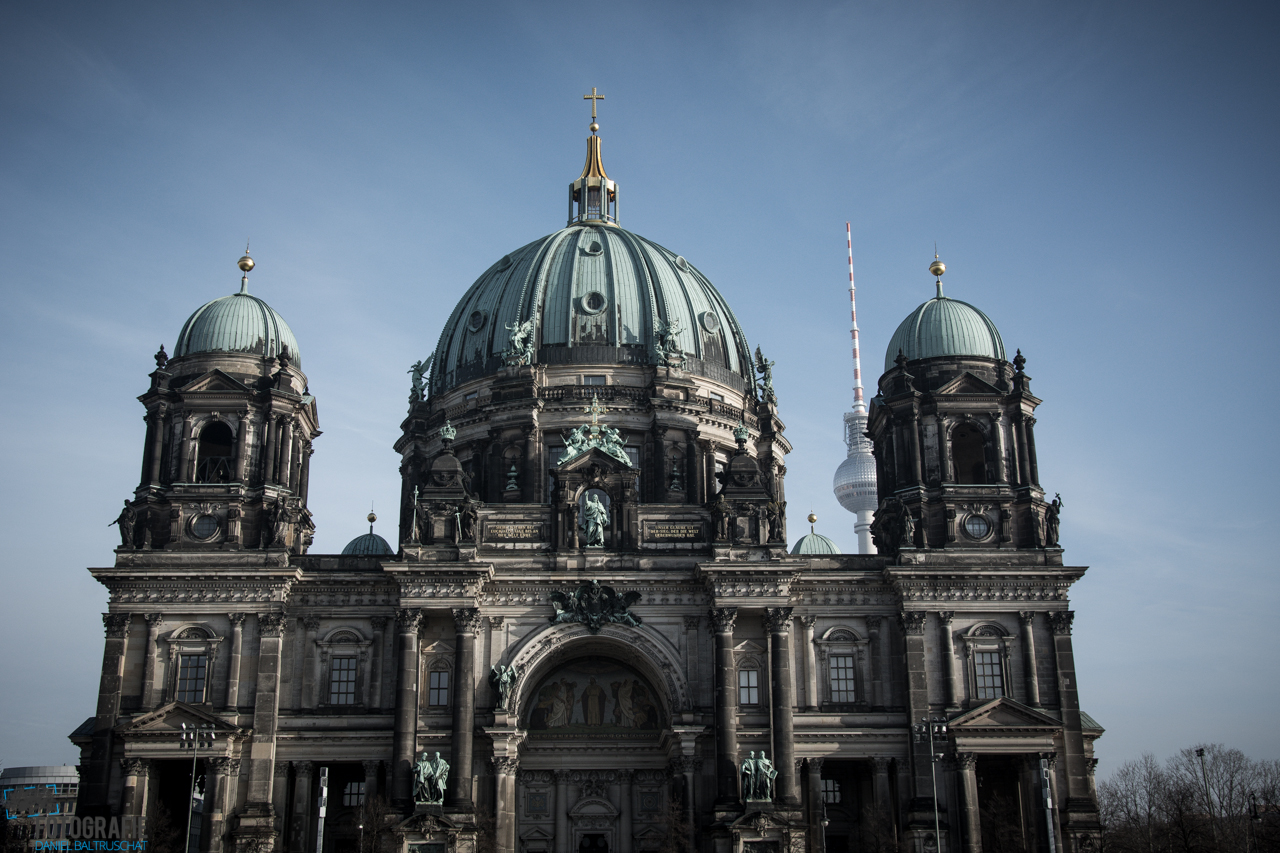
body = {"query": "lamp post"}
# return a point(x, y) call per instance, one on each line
point(932, 730)
point(1208, 797)
point(192, 738)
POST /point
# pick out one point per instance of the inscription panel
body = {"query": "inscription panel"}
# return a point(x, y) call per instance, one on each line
point(504, 531)
point(675, 531)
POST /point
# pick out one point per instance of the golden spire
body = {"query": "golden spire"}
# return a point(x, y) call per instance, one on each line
point(593, 198)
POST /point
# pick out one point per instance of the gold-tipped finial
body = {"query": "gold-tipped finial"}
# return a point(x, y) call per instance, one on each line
point(371, 518)
point(593, 97)
point(813, 517)
point(937, 268)
point(245, 263)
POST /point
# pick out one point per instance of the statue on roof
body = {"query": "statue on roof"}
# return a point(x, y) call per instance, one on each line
point(520, 344)
point(420, 390)
point(667, 349)
point(127, 519)
point(765, 368)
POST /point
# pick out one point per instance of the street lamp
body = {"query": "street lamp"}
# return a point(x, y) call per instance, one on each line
point(193, 737)
point(933, 730)
point(1208, 797)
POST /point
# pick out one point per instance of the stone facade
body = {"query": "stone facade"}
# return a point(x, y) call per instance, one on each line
point(642, 665)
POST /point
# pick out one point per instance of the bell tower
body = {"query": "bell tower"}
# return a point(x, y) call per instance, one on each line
point(952, 429)
point(230, 425)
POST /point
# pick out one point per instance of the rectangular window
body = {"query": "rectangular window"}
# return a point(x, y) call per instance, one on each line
point(990, 675)
point(748, 687)
point(191, 678)
point(719, 398)
point(438, 688)
point(353, 794)
point(830, 791)
point(593, 380)
point(342, 682)
point(843, 689)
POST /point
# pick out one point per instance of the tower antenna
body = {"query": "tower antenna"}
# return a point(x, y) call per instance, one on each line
point(858, 405)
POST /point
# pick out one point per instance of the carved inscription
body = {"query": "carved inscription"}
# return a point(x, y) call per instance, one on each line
point(512, 532)
point(669, 531)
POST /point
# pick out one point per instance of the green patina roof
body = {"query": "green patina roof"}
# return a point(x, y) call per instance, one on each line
point(240, 323)
point(368, 544)
point(815, 543)
point(942, 327)
point(600, 295)
point(1087, 723)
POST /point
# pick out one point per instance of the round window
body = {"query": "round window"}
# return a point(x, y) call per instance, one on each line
point(476, 321)
point(204, 527)
point(682, 263)
point(977, 527)
point(593, 248)
point(593, 302)
point(710, 321)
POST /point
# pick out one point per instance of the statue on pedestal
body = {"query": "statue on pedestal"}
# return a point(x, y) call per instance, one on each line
point(429, 778)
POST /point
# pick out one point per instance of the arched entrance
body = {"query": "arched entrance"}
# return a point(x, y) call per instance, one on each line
point(596, 712)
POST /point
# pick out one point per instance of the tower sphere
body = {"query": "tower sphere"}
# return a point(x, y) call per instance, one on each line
point(937, 268)
point(246, 263)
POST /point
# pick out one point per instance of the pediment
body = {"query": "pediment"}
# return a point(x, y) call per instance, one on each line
point(597, 457)
point(425, 822)
point(760, 822)
point(215, 380)
point(749, 647)
point(593, 806)
point(1003, 713)
point(169, 719)
point(537, 833)
point(967, 383)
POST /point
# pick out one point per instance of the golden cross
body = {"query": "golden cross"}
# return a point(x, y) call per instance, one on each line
point(595, 409)
point(593, 97)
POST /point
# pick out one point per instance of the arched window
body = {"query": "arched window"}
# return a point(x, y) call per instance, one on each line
point(968, 455)
point(215, 454)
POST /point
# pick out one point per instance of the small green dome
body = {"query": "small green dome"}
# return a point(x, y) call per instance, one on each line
point(368, 544)
point(240, 323)
point(942, 327)
point(814, 543)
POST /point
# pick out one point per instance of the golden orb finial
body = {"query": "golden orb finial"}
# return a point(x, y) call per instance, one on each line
point(937, 268)
point(245, 263)
point(371, 518)
point(593, 127)
point(813, 518)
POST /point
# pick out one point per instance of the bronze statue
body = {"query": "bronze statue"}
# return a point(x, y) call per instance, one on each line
point(467, 518)
point(127, 519)
point(1052, 514)
point(429, 779)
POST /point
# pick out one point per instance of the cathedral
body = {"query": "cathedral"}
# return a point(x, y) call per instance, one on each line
point(589, 633)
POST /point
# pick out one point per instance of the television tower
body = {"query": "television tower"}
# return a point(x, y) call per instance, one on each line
point(855, 480)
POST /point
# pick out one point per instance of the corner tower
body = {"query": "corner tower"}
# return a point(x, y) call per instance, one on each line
point(230, 422)
point(953, 433)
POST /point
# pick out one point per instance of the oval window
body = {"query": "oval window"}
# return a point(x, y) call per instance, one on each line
point(476, 321)
point(977, 527)
point(594, 302)
point(204, 527)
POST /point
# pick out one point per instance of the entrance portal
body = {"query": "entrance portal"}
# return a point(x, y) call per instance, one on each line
point(593, 843)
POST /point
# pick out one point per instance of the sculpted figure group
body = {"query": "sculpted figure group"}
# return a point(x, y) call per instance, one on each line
point(757, 778)
point(429, 779)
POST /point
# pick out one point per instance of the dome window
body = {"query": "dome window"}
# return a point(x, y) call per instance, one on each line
point(204, 527)
point(969, 456)
point(594, 302)
point(476, 321)
point(710, 322)
point(593, 248)
point(977, 527)
point(215, 454)
point(504, 263)
point(682, 263)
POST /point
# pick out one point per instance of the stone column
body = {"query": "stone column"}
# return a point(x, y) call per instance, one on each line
point(1069, 701)
point(136, 771)
point(280, 801)
point(379, 625)
point(505, 768)
point(949, 659)
point(810, 663)
point(149, 660)
point(914, 425)
point(466, 622)
point(184, 449)
point(1024, 469)
point(690, 765)
point(405, 737)
point(626, 839)
point(562, 811)
point(225, 771)
point(266, 706)
point(972, 823)
point(1031, 452)
point(286, 451)
point(877, 674)
point(242, 447)
point(817, 836)
point(310, 657)
point(157, 445)
point(237, 647)
point(918, 703)
point(94, 783)
point(371, 774)
point(880, 791)
point(722, 619)
point(1002, 468)
point(303, 774)
point(304, 474)
point(268, 447)
point(944, 457)
point(1027, 618)
point(777, 621)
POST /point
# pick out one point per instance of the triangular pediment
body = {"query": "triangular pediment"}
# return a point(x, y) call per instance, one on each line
point(594, 456)
point(749, 647)
point(967, 383)
point(1003, 713)
point(169, 719)
point(215, 380)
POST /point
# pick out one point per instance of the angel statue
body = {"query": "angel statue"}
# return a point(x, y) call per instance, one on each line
point(419, 370)
point(765, 368)
point(520, 344)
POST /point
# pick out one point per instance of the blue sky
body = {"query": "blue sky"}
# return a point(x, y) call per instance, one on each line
point(1100, 178)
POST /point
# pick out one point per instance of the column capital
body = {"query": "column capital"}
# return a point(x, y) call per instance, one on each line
point(304, 767)
point(912, 621)
point(311, 623)
point(409, 620)
point(496, 621)
point(153, 619)
point(466, 620)
point(881, 764)
point(506, 764)
point(776, 619)
point(378, 623)
point(237, 619)
point(1060, 621)
point(219, 764)
point(945, 617)
point(873, 623)
point(967, 761)
point(1051, 757)
point(722, 619)
point(116, 624)
point(691, 623)
point(281, 770)
point(1026, 616)
point(271, 624)
point(815, 764)
point(133, 766)
point(561, 776)
point(808, 621)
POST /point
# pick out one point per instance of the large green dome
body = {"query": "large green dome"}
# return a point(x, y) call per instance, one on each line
point(599, 295)
point(240, 323)
point(942, 327)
